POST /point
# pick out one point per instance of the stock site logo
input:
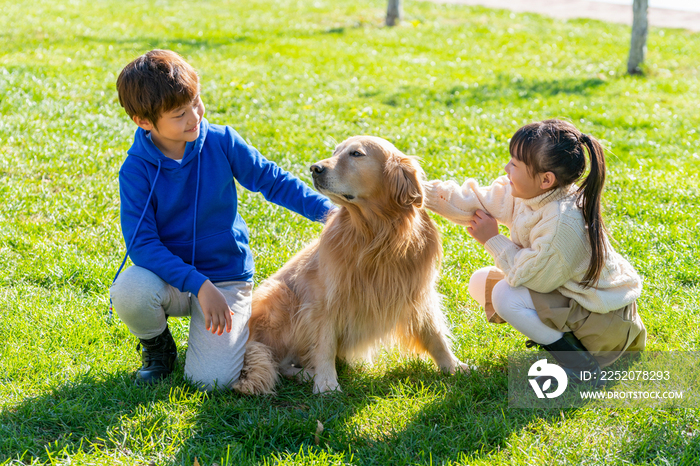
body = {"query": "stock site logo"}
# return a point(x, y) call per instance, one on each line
point(542, 373)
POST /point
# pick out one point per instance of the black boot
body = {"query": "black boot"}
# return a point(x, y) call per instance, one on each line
point(158, 357)
point(580, 365)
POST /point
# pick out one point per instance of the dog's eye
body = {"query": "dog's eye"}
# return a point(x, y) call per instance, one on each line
point(356, 154)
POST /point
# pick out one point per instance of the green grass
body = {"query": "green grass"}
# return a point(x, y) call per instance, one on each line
point(451, 85)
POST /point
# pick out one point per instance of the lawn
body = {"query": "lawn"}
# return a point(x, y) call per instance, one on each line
point(451, 84)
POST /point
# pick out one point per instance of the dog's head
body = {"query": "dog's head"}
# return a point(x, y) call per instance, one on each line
point(369, 173)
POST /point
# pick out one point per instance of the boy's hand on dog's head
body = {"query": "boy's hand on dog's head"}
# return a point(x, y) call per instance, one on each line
point(217, 314)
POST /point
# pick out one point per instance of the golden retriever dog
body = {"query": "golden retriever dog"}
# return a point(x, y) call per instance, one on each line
point(369, 278)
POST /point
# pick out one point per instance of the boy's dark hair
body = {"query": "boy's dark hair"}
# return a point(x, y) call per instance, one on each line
point(557, 146)
point(155, 83)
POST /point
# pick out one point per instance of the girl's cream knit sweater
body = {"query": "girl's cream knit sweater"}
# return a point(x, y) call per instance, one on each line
point(548, 248)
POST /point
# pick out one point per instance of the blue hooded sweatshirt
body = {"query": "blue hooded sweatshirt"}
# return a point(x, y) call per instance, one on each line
point(181, 221)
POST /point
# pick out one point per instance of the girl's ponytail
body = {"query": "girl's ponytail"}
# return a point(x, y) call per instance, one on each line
point(589, 195)
point(557, 146)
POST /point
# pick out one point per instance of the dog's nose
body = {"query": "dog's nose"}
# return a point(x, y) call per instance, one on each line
point(317, 169)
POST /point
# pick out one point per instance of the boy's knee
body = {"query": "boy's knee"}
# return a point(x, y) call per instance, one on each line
point(216, 361)
point(136, 288)
point(216, 375)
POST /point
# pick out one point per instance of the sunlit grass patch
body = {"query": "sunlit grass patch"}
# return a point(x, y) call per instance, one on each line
point(450, 85)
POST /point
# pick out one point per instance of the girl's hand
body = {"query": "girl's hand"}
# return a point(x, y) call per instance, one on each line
point(482, 227)
point(217, 314)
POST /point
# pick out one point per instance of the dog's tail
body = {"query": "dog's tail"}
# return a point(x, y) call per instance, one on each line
point(259, 375)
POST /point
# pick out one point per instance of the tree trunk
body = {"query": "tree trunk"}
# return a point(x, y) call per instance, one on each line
point(638, 46)
point(393, 12)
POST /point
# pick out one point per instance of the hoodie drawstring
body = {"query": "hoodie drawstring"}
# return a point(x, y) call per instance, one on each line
point(133, 237)
point(196, 197)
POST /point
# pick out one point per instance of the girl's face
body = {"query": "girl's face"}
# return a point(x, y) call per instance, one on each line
point(525, 186)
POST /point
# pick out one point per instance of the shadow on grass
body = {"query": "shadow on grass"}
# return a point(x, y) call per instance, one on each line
point(411, 414)
point(76, 416)
point(661, 442)
point(182, 44)
point(503, 89)
point(141, 42)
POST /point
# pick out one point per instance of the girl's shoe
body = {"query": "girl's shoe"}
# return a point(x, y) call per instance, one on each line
point(580, 365)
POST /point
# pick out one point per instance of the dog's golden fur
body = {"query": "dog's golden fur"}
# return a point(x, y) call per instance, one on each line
point(368, 279)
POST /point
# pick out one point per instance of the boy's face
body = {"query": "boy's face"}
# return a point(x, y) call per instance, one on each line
point(176, 127)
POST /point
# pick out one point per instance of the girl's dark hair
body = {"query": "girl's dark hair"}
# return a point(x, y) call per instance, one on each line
point(557, 146)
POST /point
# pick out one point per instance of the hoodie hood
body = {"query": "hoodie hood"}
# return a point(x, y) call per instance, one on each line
point(144, 148)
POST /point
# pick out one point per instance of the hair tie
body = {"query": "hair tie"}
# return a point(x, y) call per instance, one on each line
point(586, 139)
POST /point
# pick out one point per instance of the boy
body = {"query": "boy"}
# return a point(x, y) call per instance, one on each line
point(180, 222)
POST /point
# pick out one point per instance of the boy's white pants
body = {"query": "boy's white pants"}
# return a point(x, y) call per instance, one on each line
point(142, 300)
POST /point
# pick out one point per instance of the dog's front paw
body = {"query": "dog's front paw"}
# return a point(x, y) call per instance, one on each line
point(460, 367)
point(325, 386)
point(465, 368)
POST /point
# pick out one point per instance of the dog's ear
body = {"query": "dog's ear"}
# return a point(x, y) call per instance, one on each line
point(404, 175)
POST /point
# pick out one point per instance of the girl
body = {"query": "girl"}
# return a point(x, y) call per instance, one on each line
point(557, 280)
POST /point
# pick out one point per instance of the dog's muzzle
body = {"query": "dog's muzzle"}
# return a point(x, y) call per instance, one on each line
point(317, 172)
